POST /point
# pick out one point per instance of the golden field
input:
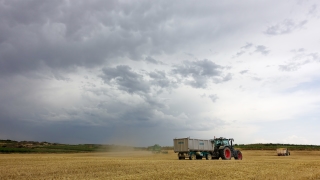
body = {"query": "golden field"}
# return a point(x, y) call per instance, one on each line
point(144, 165)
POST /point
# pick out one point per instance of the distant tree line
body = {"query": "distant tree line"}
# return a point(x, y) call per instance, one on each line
point(10, 146)
point(271, 146)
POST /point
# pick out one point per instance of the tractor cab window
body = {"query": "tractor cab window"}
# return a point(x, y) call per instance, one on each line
point(217, 142)
point(225, 142)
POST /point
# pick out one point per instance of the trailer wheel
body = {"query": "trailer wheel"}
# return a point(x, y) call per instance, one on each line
point(225, 153)
point(239, 155)
point(193, 157)
point(209, 157)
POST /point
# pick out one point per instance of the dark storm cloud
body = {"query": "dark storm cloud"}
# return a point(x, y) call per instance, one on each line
point(139, 114)
point(59, 35)
point(59, 76)
point(38, 33)
point(147, 85)
point(152, 60)
point(125, 79)
point(74, 133)
point(68, 34)
point(201, 72)
point(105, 107)
point(285, 27)
point(160, 79)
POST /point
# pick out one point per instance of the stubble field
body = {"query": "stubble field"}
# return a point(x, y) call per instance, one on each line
point(144, 165)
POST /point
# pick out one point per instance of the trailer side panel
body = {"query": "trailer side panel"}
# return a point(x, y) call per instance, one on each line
point(187, 144)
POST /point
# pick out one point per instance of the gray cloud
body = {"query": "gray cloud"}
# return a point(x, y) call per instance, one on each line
point(298, 50)
point(189, 54)
point(299, 60)
point(258, 49)
point(56, 34)
point(125, 79)
point(213, 97)
point(285, 27)
point(228, 77)
point(289, 67)
point(201, 71)
point(262, 49)
point(240, 53)
point(152, 60)
point(247, 46)
point(243, 49)
point(244, 71)
point(313, 9)
point(160, 79)
point(314, 57)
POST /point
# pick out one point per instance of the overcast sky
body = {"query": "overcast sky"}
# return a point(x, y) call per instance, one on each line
point(145, 72)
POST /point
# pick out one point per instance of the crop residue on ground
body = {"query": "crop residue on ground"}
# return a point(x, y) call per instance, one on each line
point(145, 165)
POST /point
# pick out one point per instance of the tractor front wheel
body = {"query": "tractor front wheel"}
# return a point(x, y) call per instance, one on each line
point(225, 153)
point(193, 157)
point(209, 157)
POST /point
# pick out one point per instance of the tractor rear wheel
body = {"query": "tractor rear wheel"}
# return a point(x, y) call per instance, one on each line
point(225, 153)
point(239, 155)
point(193, 157)
point(208, 157)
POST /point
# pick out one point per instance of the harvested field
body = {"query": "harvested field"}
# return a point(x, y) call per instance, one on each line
point(145, 165)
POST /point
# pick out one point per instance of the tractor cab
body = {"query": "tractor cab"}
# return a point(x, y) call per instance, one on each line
point(223, 148)
point(222, 142)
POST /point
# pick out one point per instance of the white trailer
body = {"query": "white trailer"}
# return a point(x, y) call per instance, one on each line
point(193, 148)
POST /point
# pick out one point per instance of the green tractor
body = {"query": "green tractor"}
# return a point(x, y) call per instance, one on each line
point(223, 148)
point(156, 149)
